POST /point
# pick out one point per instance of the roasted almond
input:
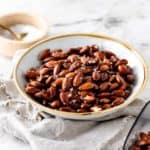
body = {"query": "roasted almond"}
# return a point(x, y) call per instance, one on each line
point(49, 80)
point(118, 92)
point(78, 79)
point(104, 76)
point(72, 58)
point(64, 97)
point(86, 86)
point(112, 78)
point(70, 75)
point(59, 54)
point(130, 78)
point(38, 94)
point(118, 101)
point(57, 82)
point(73, 50)
point(113, 86)
point(66, 84)
point(63, 73)
point(56, 70)
point(87, 78)
point(96, 75)
point(55, 104)
point(106, 106)
point(104, 95)
point(74, 103)
point(45, 95)
point(122, 62)
point(123, 69)
point(31, 90)
point(105, 100)
point(84, 50)
point(104, 67)
point(35, 83)
point(51, 64)
point(52, 91)
point(48, 59)
point(66, 65)
point(43, 54)
point(84, 93)
point(99, 55)
point(74, 66)
point(104, 86)
point(89, 99)
point(31, 74)
point(44, 71)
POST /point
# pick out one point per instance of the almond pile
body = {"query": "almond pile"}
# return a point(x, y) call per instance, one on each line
point(143, 143)
point(82, 79)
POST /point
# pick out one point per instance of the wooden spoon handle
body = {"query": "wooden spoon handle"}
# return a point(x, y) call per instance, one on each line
point(9, 30)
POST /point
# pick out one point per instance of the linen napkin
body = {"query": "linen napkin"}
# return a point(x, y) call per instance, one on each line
point(41, 131)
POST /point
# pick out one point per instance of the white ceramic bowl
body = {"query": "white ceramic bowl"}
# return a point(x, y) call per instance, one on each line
point(8, 46)
point(123, 50)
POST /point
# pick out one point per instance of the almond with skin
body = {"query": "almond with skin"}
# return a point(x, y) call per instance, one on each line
point(44, 71)
point(44, 54)
point(105, 100)
point(86, 86)
point(63, 73)
point(55, 104)
point(104, 67)
point(118, 92)
point(31, 74)
point(104, 95)
point(118, 101)
point(78, 79)
point(74, 66)
point(113, 86)
point(52, 91)
point(57, 82)
point(70, 75)
point(104, 86)
point(96, 75)
point(49, 80)
point(89, 99)
point(64, 97)
point(59, 55)
point(36, 84)
point(56, 70)
point(51, 64)
point(31, 90)
point(66, 84)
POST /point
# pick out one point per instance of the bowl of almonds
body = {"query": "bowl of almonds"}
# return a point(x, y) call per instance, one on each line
point(80, 76)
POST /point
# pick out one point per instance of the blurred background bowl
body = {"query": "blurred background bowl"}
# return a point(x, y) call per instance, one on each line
point(8, 47)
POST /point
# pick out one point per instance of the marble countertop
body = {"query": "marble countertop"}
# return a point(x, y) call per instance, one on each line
point(127, 20)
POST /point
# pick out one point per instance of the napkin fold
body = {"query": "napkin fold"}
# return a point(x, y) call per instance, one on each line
point(41, 131)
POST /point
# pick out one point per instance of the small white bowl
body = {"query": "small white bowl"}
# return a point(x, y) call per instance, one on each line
point(8, 46)
point(123, 50)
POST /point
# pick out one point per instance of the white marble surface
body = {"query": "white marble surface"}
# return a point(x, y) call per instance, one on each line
point(128, 20)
